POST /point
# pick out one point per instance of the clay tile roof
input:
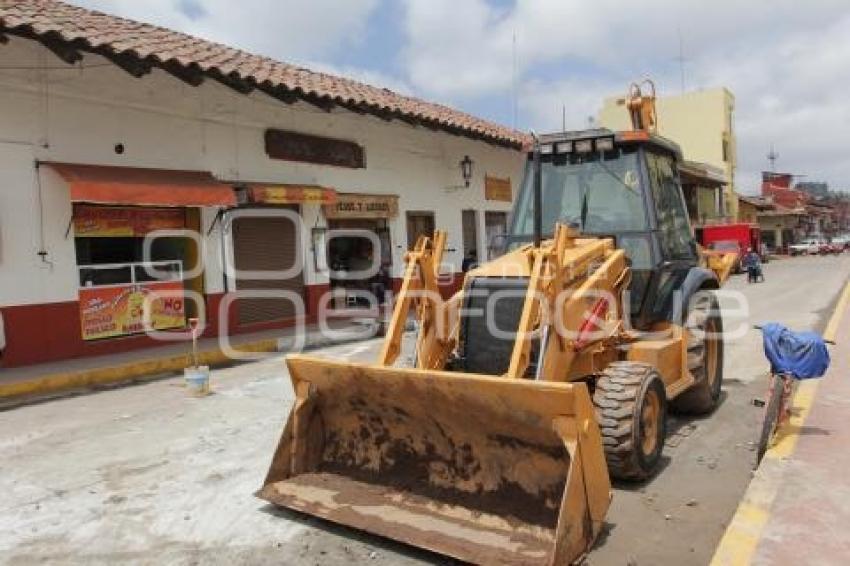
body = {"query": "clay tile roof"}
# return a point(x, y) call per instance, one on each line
point(137, 47)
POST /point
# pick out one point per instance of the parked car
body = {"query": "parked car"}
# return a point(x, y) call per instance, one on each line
point(834, 248)
point(809, 246)
point(842, 242)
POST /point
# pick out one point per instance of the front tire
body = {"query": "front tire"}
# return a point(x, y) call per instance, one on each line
point(631, 409)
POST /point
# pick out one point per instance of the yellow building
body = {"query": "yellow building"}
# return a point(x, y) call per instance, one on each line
point(701, 122)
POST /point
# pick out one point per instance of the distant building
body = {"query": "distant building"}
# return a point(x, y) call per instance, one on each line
point(778, 187)
point(814, 188)
point(702, 123)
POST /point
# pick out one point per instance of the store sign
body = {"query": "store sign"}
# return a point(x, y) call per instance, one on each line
point(292, 194)
point(497, 189)
point(107, 312)
point(116, 222)
point(295, 146)
point(362, 206)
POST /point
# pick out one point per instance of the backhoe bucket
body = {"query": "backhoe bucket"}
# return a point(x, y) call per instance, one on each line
point(484, 469)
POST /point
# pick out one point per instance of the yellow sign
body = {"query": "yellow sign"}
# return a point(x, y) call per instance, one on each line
point(119, 311)
point(293, 194)
point(362, 206)
point(497, 189)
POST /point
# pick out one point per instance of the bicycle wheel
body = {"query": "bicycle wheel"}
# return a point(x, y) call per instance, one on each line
point(771, 415)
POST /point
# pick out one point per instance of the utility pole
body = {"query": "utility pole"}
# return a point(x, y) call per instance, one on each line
point(772, 156)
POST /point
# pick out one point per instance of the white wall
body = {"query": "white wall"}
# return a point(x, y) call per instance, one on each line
point(52, 112)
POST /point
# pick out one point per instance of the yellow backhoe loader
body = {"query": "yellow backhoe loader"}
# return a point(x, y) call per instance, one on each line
point(552, 368)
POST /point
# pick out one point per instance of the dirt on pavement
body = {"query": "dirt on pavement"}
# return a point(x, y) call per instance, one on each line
point(145, 474)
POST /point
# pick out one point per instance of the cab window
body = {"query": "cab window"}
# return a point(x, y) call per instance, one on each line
point(674, 227)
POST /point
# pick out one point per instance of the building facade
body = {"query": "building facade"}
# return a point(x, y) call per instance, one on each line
point(701, 122)
point(227, 203)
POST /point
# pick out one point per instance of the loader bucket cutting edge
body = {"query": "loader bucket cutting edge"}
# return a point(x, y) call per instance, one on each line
point(484, 469)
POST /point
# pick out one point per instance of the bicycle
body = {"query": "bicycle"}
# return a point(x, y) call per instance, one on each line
point(793, 357)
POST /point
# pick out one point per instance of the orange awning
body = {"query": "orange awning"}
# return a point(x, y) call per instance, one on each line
point(143, 187)
point(291, 194)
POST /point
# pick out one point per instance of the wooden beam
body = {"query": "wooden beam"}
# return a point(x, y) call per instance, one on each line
point(65, 50)
point(131, 64)
point(319, 102)
point(191, 75)
point(281, 93)
point(233, 81)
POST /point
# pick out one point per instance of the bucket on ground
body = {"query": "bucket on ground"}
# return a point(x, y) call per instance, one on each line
point(197, 380)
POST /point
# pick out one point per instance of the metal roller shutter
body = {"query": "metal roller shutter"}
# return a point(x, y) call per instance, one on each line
point(266, 244)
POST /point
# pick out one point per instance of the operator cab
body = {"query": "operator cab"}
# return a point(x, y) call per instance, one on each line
point(619, 184)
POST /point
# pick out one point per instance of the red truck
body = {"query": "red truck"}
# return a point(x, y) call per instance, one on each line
point(740, 237)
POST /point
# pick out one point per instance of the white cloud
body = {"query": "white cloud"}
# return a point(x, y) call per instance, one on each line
point(368, 76)
point(785, 61)
point(288, 30)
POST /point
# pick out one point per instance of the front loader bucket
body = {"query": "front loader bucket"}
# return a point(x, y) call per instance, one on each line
point(484, 469)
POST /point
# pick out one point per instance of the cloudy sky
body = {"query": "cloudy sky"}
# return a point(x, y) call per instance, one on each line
point(786, 61)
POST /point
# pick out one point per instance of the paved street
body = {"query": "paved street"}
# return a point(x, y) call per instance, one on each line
point(145, 474)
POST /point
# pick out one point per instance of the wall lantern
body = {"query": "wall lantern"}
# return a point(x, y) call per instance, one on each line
point(466, 169)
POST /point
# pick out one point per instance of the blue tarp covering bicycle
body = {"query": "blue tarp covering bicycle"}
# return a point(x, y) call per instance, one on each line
point(793, 356)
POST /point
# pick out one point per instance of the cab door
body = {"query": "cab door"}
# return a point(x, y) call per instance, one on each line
point(673, 237)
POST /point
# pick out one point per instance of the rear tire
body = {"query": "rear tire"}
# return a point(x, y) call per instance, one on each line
point(705, 358)
point(631, 409)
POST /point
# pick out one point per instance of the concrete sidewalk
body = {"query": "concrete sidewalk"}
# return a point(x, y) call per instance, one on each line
point(797, 507)
point(18, 384)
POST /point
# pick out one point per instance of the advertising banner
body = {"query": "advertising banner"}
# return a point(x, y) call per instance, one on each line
point(118, 222)
point(107, 312)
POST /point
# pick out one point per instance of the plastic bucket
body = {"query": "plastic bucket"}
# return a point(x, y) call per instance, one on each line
point(197, 380)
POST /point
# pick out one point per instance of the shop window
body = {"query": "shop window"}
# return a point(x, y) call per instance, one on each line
point(116, 280)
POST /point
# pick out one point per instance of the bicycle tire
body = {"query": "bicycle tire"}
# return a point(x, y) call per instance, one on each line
point(771, 416)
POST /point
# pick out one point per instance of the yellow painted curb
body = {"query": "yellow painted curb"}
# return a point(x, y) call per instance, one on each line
point(58, 382)
point(739, 542)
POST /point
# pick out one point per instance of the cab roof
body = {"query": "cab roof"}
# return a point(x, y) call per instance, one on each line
point(620, 138)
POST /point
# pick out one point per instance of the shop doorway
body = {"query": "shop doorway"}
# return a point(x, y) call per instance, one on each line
point(266, 243)
point(495, 224)
point(470, 231)
point(352, 250)
point(419, 224)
